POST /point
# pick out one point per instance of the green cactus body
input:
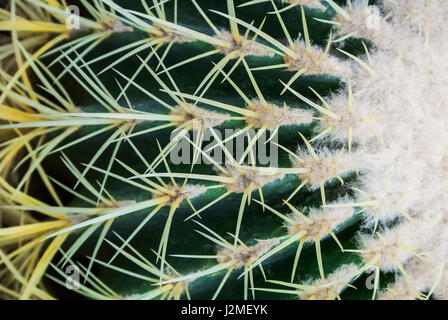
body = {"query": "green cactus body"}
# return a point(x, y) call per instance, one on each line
point(113, 110)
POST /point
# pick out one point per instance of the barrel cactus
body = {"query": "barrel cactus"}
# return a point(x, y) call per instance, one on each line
point(210, 149)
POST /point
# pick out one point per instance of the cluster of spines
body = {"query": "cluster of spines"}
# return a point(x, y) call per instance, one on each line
point(339, 118)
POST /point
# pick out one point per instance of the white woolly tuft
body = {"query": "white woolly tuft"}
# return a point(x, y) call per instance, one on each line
point(322, 222)
point(315, 61)
point(320, 289)
point(328, 165)
point(399, 121)
point(270, 116)
point(364, 22)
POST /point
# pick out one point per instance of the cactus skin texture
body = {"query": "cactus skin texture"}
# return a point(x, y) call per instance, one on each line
point(355, 93)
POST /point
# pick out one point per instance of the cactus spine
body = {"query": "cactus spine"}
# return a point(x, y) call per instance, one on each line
point(351, 96)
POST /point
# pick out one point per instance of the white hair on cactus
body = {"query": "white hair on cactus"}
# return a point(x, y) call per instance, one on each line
point(185, 192)
point(362, 21)
point(270, 116)
point(384, 198)
point(390, 250)
point(331, 287)
point(247, 47)
point(248, 179)
point(405, 170)
point(324, 165)
point(362, 121)
point(206, 118)
point(400, 290)
point(315, 61)
point(244, 256)
point(420, 14)
point(321, 224)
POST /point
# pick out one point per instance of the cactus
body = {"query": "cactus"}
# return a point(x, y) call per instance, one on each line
point(132, 139)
